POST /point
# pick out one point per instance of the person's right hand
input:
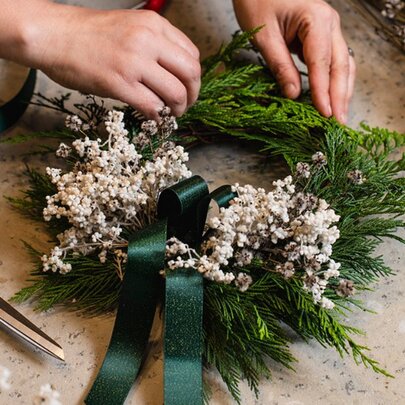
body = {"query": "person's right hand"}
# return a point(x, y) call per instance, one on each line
point(135, 56)
point(311, 28)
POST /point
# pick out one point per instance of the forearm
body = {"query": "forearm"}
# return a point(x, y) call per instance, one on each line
point(135, 56)
point(25, 27)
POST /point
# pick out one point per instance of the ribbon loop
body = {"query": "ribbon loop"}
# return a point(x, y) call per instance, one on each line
point(183, 210)
point(223, 195)
point(185, 205)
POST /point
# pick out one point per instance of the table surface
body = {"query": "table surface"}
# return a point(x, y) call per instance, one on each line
point(321, 376)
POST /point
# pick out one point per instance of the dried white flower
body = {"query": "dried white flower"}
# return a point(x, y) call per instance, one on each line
point(73, 122)
point(63, 151)
point(286, 269)
point(326, 303)
point(319, 159)
point(47, 396)
point(243, 281)
point(392, 8)
point(333, 270)
point(303, 170)
point(4, 376)
point(345, 288)
point(356, 177)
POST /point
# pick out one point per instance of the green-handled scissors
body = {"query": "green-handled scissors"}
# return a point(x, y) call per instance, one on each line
point(21, 326)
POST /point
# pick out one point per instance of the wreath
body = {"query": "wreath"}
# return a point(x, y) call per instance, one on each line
point(129, 223)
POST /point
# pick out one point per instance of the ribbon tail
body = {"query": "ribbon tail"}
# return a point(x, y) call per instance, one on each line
point(183, 345)
point(136, 310)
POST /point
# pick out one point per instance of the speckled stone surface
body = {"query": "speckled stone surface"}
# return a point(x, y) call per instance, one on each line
point(321, 376)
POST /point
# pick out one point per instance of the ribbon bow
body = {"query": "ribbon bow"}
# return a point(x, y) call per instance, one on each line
point(182, 212)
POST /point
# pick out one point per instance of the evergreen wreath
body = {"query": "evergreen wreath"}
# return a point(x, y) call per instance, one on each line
point(300, 269)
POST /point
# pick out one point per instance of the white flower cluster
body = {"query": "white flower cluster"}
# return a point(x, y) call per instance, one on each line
point(63, 151)
point(75, 123)
point(151, 129)
point(400, 33)
point(47, 396)
point(110, 188)
point(292, 232)
point(4, 376)
point(392, 8)
point(356, 177)
point(319, 159)
point(182, 256)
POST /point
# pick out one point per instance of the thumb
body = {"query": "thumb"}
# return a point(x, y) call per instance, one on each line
point(278, 57)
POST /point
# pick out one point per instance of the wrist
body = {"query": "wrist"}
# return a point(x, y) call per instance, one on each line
point(19, 27)
point(31, 32)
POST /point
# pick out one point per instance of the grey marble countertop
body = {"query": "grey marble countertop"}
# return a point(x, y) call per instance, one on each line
point(321, 376)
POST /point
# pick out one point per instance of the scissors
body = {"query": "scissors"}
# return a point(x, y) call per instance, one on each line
point(22, 327)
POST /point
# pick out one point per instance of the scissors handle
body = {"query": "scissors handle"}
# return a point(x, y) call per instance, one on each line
point(155, 5)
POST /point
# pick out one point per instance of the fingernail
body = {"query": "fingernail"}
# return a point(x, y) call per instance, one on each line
point(329, 111)
point(289, 90)
point(343, 118)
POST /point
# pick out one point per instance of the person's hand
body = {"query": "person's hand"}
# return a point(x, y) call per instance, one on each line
point(312, 29)
point(137, 57)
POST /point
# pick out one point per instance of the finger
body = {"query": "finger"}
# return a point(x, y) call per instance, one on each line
point(168, 87)
point(317, 51)
point(339, 78)
point(142, 99)
point(186, 68)
point(178, 37)
point(276, 54)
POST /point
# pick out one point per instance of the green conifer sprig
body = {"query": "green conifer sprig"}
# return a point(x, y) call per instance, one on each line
point(91, 287)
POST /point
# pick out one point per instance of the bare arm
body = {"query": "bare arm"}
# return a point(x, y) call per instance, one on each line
point(137, 57)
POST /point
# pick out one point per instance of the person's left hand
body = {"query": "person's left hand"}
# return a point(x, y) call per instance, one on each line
point(312, 29)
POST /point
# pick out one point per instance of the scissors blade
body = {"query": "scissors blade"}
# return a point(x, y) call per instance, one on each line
point(139, 5)
point(21, 326)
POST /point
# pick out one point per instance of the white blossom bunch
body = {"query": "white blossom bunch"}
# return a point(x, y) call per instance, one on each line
point(4, 377)
point(110, 188)
point(392, 8)
point(289, 231)
point(47, 396)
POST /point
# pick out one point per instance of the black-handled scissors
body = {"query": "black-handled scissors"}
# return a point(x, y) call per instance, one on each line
point(21, 326)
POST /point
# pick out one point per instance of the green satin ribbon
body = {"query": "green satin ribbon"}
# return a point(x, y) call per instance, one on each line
point(182, 210)
point(184, 301)
point(136, 309)
point(14, 109)
point(184, 295)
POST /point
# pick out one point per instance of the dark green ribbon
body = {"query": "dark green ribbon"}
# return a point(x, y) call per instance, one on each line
point(182, 210)
point(14, 109)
